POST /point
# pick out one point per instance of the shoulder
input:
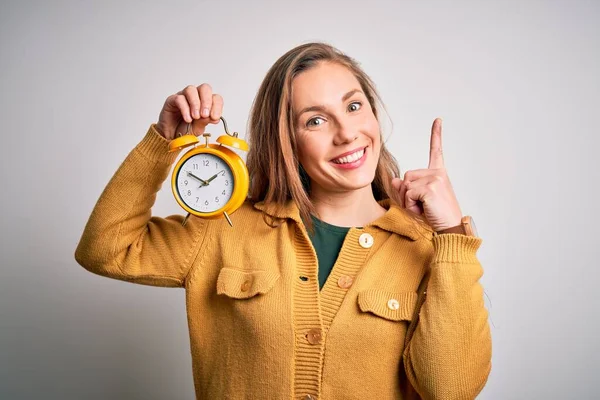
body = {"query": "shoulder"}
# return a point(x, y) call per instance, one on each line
point(248, 210)
point(248, 219)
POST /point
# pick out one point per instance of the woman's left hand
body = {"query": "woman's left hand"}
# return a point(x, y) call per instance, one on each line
point(428, 191)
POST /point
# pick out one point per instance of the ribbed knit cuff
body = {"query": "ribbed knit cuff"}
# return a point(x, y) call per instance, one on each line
point(155, 147)
point(455, 248)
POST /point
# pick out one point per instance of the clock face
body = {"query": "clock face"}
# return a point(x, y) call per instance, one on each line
point(205, 182)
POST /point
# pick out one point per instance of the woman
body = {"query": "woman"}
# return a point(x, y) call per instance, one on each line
point(319, 289)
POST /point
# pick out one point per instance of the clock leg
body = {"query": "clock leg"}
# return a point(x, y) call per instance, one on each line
point(228, 219)
point(185, 219)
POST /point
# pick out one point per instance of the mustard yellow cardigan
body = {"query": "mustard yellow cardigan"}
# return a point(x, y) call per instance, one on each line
point(259, 326)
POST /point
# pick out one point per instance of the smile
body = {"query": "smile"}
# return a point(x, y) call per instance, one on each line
point(350, 158)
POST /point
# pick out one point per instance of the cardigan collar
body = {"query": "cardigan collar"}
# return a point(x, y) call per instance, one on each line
point(396, 219)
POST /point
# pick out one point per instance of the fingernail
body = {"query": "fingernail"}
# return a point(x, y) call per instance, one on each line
point(196, 113)
point(205, 112)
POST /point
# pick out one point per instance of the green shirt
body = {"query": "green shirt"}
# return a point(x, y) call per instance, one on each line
point(327, 241)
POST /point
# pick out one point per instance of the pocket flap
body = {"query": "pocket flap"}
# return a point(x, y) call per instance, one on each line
point(393, 306)
point(244, 284)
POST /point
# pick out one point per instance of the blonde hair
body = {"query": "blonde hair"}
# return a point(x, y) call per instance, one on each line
point(276, 175)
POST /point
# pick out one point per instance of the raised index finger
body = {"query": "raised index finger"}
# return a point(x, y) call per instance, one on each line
point(436, 157)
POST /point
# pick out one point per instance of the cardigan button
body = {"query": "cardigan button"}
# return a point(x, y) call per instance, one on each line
point(345, 281)
point(365, 240)
point(313, 336)
point(393, 304)
point(245, 286)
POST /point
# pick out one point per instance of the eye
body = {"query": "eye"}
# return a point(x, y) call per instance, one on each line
point(313, 122)
point(354, 106)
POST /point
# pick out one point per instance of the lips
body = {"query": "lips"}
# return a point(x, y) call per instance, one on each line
point(350, 157)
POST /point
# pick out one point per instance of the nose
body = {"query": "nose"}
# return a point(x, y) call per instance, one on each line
point(346, 132)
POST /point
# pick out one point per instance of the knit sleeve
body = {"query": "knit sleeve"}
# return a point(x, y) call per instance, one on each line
point(121, 239)
point(449, 354)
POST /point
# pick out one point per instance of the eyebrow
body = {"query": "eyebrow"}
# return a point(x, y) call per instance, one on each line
point(322, 108)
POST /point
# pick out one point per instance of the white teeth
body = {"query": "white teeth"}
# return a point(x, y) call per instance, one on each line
point(350, 158)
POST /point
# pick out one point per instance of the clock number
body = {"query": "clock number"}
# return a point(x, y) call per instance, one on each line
point(205, 163)
point(197, 198)
point(189, 192)
point(195, 166)
point(223, 193)
point(216, 199)
point(206, 203)
point(227, 182)
point(186, 182)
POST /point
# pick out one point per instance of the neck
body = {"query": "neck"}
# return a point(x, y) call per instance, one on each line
point(354, 208)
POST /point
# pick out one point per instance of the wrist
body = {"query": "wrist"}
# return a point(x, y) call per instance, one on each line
point(450, 228)
point(465, 227)
point(453, 229)
point(160, 129)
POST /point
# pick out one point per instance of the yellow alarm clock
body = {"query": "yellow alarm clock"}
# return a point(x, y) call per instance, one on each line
point(210, 180)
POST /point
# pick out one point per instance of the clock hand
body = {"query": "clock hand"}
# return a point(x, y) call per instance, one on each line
point(213, 177)
point(204, 183)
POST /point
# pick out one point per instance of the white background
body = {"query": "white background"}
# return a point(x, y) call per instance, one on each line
point(516, 84)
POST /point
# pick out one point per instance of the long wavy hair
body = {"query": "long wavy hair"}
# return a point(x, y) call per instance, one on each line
point(276, 175)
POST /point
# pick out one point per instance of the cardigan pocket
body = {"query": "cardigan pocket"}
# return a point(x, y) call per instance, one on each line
point(393, 306)
point(245, 284)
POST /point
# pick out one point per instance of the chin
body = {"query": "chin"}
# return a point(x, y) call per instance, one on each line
point(358, 184)
point(349, 183)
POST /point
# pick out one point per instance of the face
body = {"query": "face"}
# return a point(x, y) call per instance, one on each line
point(337, 132)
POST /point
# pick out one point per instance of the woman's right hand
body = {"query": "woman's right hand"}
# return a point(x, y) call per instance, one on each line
point(198, 105)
